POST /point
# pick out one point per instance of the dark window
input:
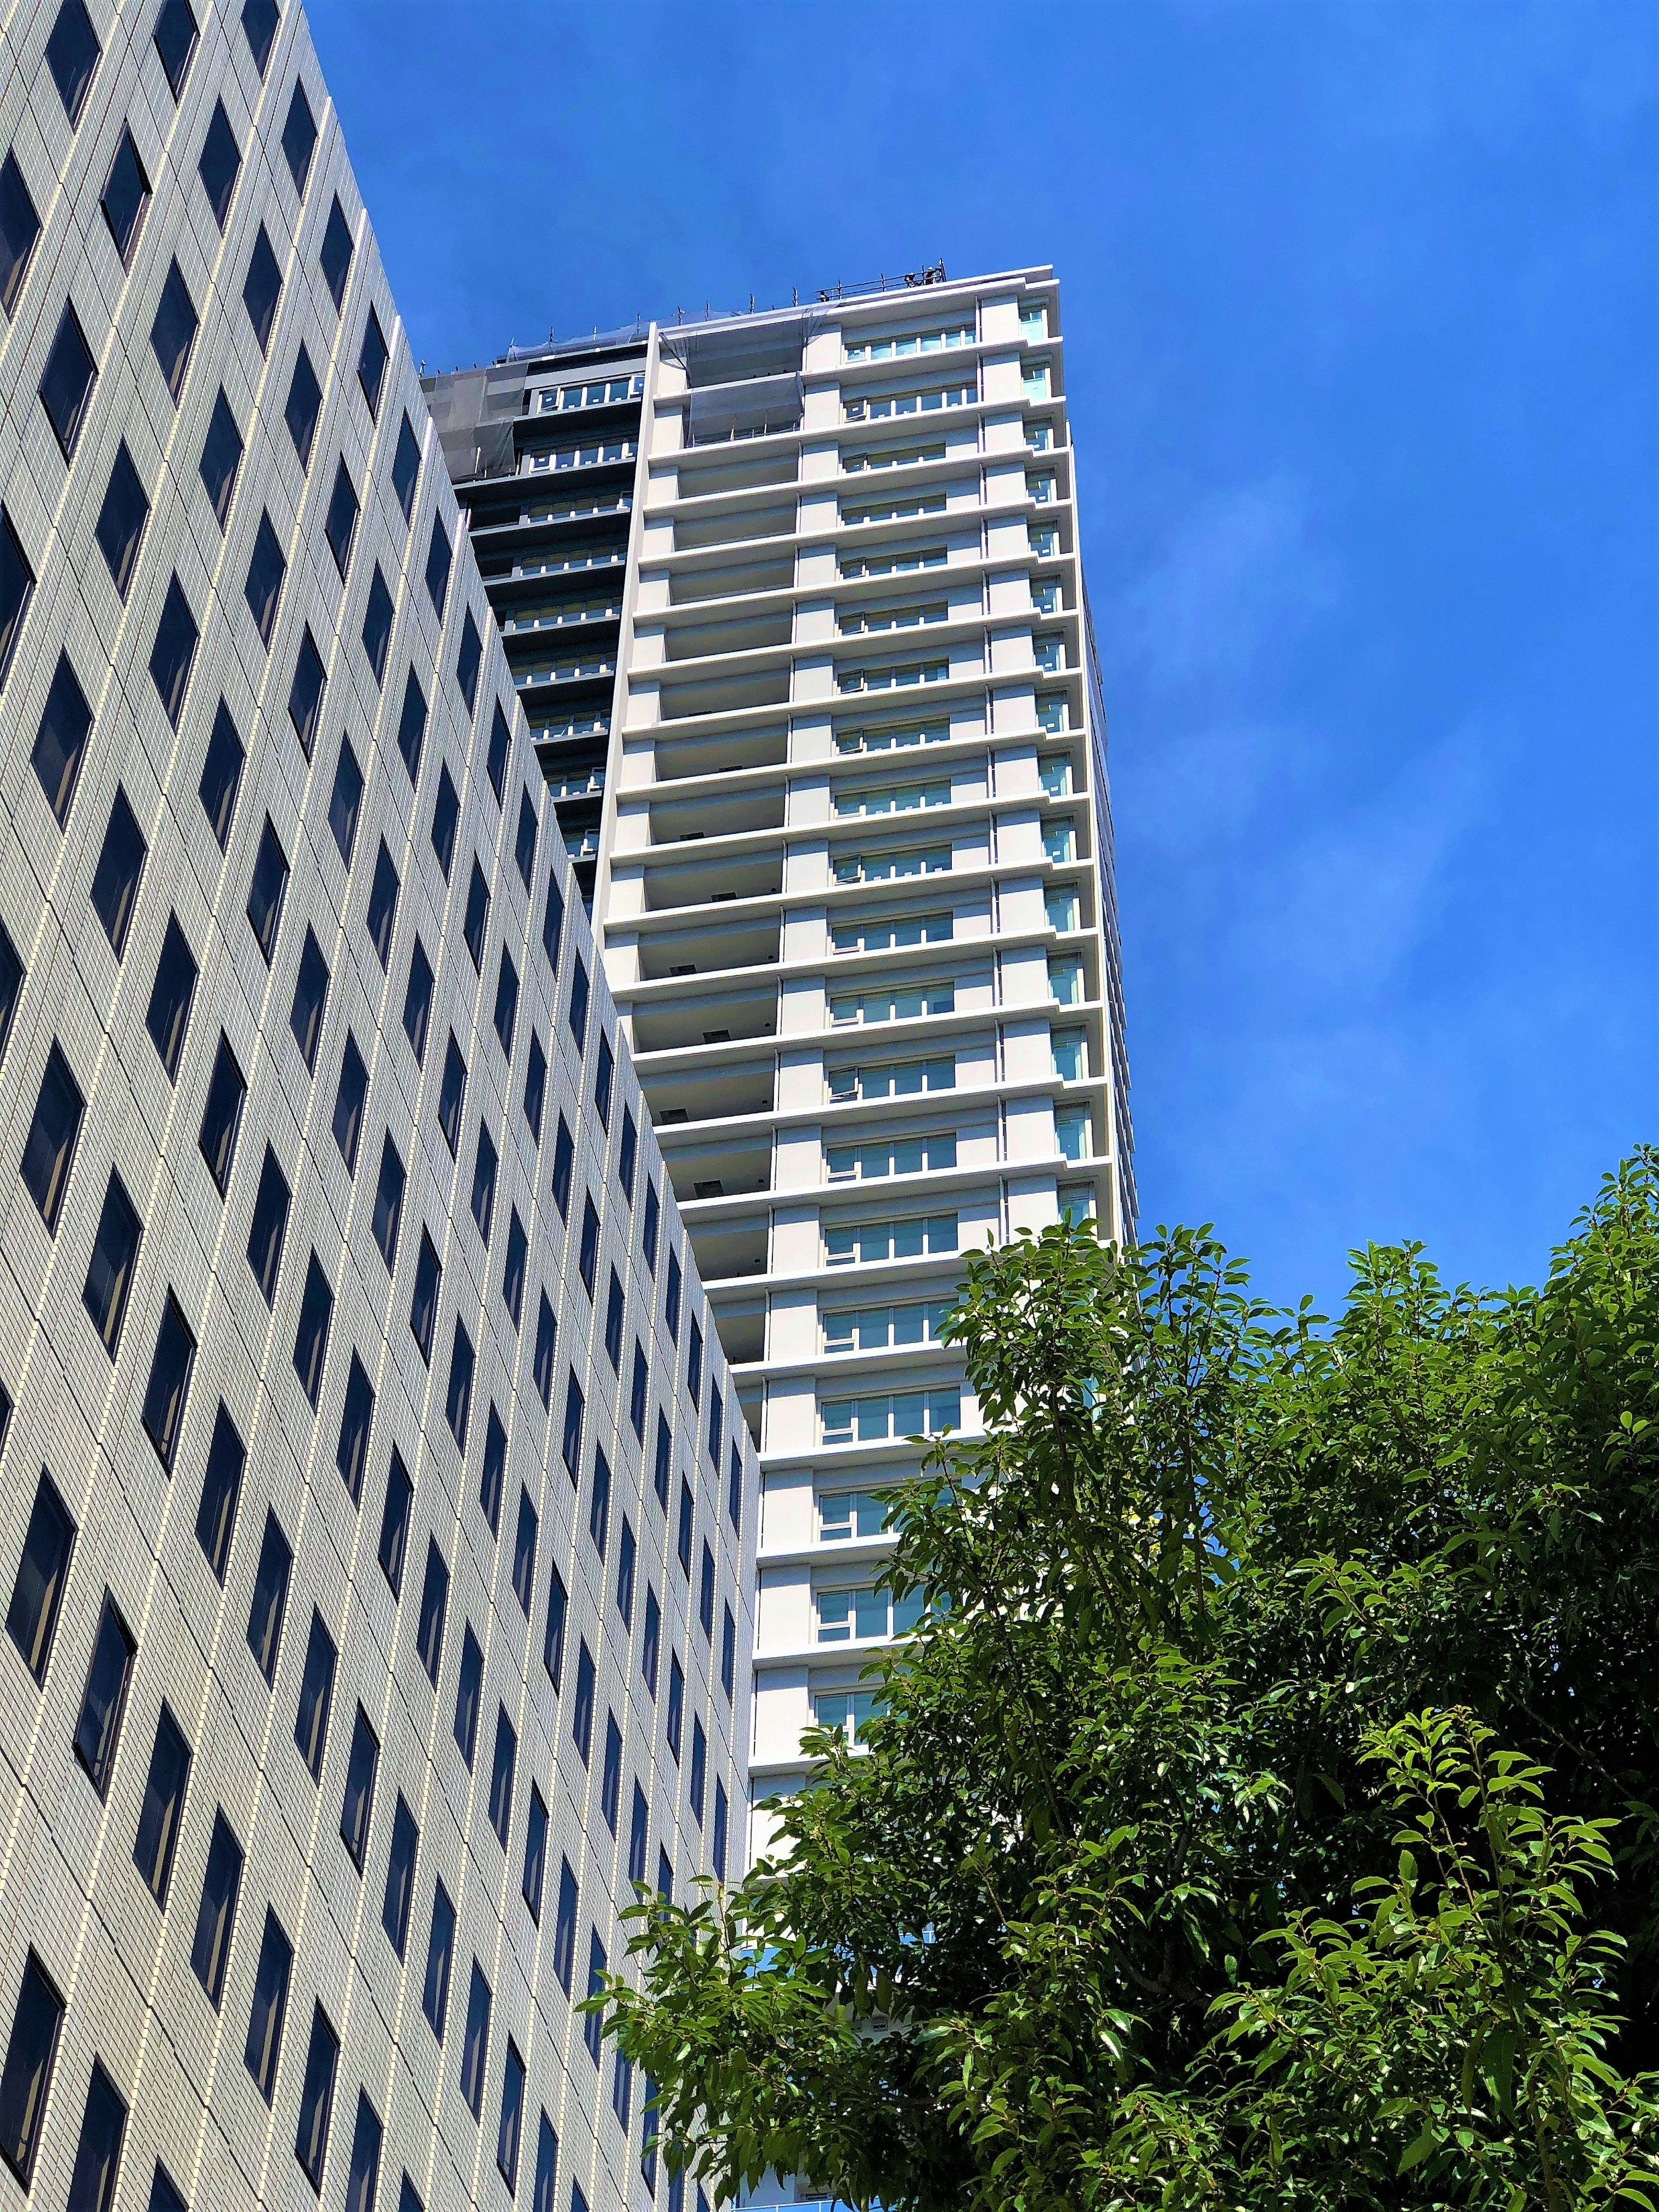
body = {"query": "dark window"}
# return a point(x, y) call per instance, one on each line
point(126, 195)
point(382, 905)
point(627, 1152)
point(467, 661)
point(438, 558)
point(610, 1773)
point(604, 1071)
point(371, 362)
point(394, 1522)
point(535, 1084)
point(581, 1708)
point(400, 1876)
point(651, 1640)
point(365, 2172)
point(524, 1552)
point(50, 1145)
point(104, 1700)
point(734, 1489)
point(440, 1949)
point(305, 698)
point(120, 864)
point(573, 1408)
point(676, 1706)
point(215, 1915)
point(477, 915)
point(621, 2091)
point(501, 1775)
point(495, 759)
point(417, 1001)
point(16, 590)
point(221, 773)
point(718, 1854)
point(457, 1400)
point(269, 1226)
point(406, 468)
point(334, 259)
point(423, 1308)
point(262, 288)
point(484, 1164)
point(706, 1593)
point(613, 1324)
point(511, 2122)
point(377, 623)
point(98, 2154)
point(699, 1769)
point(564, 1928)
point(221, 163)
point(389, 1201)
point(164, 1806)
point(37, 1592)
point(446, 813)
point(683, 1542)
point(626, 1553)
point(265, 2022)
point(67, 380)
point(671, 1308)
point(579, 1003)
point(665, 1878)
point(341, 526)
point(546, 1332)
point(317, 2098)
point(170, 659)
point(316, 1696)
point(553, 1641)
point(494, 1471)
point(222, 456)
point(564, 1152)
point(648, 1222)
point(266, 572)
point(411, 724)
point(451, 1094)
point(434, 1599)
point(513, 1271)
point(475, 2051)
point(535, 1854)
point(524, 848)
point(172, 334)
point(598, 1504)
point(11, 983)
point(547, 2158)
point(588, 1255)
point(222, 1115)
point(304, 404)
point(593, 2023)
point(25, 2083)
point(553, 919)
point(259, 20)
point(356, 1417)
point(222, 1486)
point(175, 41)
point(60, 743)
point(728, 1652)
point(299, 136)
point(311, 1338)
point(310, 996)
point(638, 1837)
point(164, 2195)
point(121, 519)
point(345, 802)
point(507, 1001)
point(357, 1806)
point(169, 1381)
point(693, 1363)
point(114, 1255)
point(265, 1621)
point(349, 1102)
point(638, 1390)
point(19, 226)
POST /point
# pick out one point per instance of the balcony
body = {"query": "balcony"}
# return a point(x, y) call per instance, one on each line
point(742, 1326)
point(712, 1095)
point(711, 950)
point(676, 1021)
point(720, 754)
point(724, 1168)
point(689, 819)
point(727, 1252)
point(712, 640)
point(732, 579)
point(716, 884)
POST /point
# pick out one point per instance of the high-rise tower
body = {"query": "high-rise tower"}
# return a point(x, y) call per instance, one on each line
point(794, 604)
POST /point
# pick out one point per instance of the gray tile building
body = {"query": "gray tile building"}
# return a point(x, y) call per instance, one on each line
point(377, 1516)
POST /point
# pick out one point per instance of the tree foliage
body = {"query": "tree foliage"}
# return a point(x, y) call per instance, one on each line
point(1264, 1814)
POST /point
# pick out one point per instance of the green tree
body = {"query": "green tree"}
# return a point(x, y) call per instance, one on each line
point(1264, 1813)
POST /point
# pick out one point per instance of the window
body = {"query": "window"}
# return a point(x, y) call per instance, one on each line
point(417, 1001)
point(563, 1154)
point(899, 1414)
point(262, 288)
point(535, 1854)
point(843, 1615)
point(394, 1522)
point(171, 996)
point(164, 1806)
point(11, 983)
point(694, 1365)
point(524, 1552)
point(683, 1541)
point(495, 759)
point(303, 405)
point(400, 1876)
point(16, 590)
point(593, 2023)
point(1066, 984)
point(458, 1402)
point(37, 1592)
point(598, 1504)
point(423, 1307)
point(440, 1949)
point(676, 1706)
point(523, 850)
point(893, 1156)
point(411, 724)
point(671, 1309)
point(734, 1490)
point(67, 380)
point(126, 195)
point(341, 526)
point(437, 566)
point(371, 363)
point(19, 226)
point(706, 1594)
point(665, 1878)
point(221, 164)
point(603, 1074)
point(699, 1769)
point(60, 742)
point(357, 1806)
point(553, 919)
point(25, 2083)
point(467, 1689)
point(121, 519)
point(1075, 1131)
point(895, 1079)
point(221, 1486)
point(564, 1933)
point(264, 1620)
point(553, 1641)
point(722, 1817)
point(512, 1272)
point(501, 1775)
point(299, 136)
point(406, 468)
point(215, 1915)
point(613, 1324)
point(648, 1227)
point(310, 996)
point(452, 1093)
point(874, 1328)
point(485, 1162)
point(547, 2157)
point(316, 1696)
point(114, 1253)
point(511, 2120)
point(610, 1775)
point(588, 1256)
point(104, 1700)
point(446, 813)
point(365, 2172)
point(259, 20)
point(477, 915)
point(546, 1331)
point(169, 1381)
point(434, 1599)
point(265, 2024)
point(164, 2195)
point(172, 334)
point(535, 1085)
point(317, 2098)
point(267, 890)
point(174, 651)
point(221, 775)
point(728, 1652)
point(467, 661)
point(884, 934)
point(120, 863)
point(349, 1102)
point(475, 2051)
point(578, 1015)
point(573, 1408)
point(637, 1392)
point(627, 1553)
point(356, 1417)
point(334, 259)
point(637, 1837)
point(345, 802)
point(269, 1226)
point(507, 1001)
point(581, 1710)
point(650, 1644)
point(382, 905)
point(98, 2154)
point(50, 1145)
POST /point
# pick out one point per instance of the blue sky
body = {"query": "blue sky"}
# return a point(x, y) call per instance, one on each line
point(1361, 306)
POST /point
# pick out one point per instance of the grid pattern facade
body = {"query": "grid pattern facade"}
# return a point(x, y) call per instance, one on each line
point(364, 1640)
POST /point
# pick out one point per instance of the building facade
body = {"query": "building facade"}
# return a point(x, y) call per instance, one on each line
point(794, 604)
point(377, 1524)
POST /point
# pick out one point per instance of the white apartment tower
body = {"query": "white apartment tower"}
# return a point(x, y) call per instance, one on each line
point(377, 1525)
point(794, 603)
